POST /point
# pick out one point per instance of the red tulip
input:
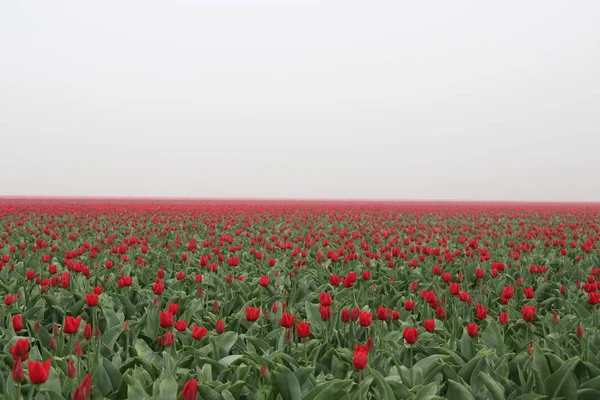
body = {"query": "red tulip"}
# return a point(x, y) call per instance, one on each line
point(198, 332)
point(71, 324)
point(528, 292)
point(17, 372)
point(180, 325)
point(17, 321)
point(87, 331)
point(303, 329)
point(173, 308)
point(287, 320)
point(579, 331)
point(166, 319)
point(360, 357)
point(528, 313)
point(264, 281)
point(346, 316)
point(91, 299)
point(71, 370)
point(382, 313)
point(38, 372)
point(409, 305)
point(158, 287)
point(325, 299)
point(503, 318)
point(220, 326)
point(252, 313)
point(429, 325)
point(190, 390)
point(411, 335)
point(325, 313)
point(364, 318)
point(472, 329)
point(20, 350)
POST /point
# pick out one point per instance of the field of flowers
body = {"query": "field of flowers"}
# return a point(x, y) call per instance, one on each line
point(299, 301)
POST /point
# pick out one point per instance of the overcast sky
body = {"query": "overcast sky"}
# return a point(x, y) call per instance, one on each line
point(301, 99)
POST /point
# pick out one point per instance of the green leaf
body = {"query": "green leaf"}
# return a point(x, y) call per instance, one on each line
point(554, 383)
point(226, 361)
point(539, 362)
point(227, 340)
point(111, 335)
point(496, 389)
point(287, 384)
point(456, 391)
point(113, 373)
point(167, 389)
point(466, 345)
point(134, 388)
point(493, 338)
point(382, 384)
point(102, 381)
point(588, 394)
point(328, 390)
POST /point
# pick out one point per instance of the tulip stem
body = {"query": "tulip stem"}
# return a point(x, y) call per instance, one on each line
point(412, 373)
point(360, 384)
point(18, 388)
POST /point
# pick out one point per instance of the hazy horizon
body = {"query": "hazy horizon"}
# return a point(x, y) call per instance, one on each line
point(301, 99)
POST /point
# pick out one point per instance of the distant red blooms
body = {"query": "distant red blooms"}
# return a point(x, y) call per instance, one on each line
point(165, 319)
point(409, 305)
point(198, 332)
point(252, 313)
point(579, 331)
point(360, 357)
point(366, 275)
point(528, 313)
point(287, 320)
point(410, 335)
point(472, 329)
point(395, 315)
point(38, 372)
point(190, 390)
point(429, 325)
point(364, 318)
point(503, 318)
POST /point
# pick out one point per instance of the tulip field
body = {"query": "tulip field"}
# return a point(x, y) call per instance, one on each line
point(299, 301)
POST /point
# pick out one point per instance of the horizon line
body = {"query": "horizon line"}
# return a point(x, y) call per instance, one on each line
point(287, 199)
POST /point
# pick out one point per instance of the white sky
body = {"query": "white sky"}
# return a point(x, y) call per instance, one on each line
point(315, 99)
